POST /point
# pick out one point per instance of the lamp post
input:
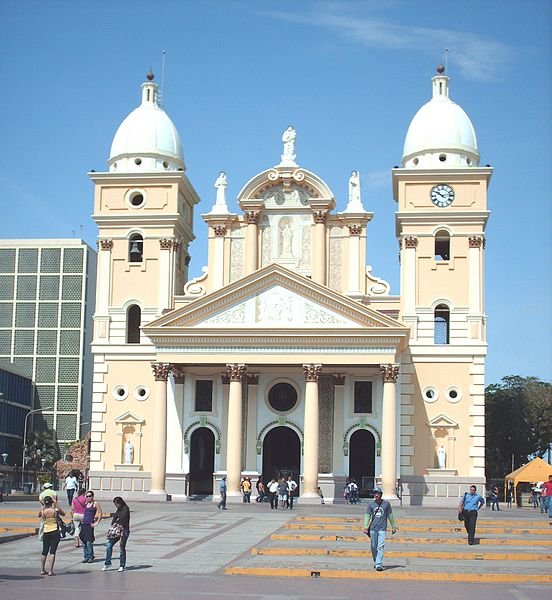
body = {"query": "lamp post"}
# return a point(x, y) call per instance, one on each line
point(31, 412)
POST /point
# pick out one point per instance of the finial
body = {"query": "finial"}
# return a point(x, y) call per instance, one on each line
point(150, 75)
point(440, 69)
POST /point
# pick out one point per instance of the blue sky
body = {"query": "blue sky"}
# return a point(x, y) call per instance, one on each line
point(349, 76)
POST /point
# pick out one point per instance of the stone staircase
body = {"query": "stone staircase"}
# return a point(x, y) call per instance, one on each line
point(506, 551)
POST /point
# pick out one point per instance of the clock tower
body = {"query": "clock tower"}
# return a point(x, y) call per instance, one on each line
point(441, 193)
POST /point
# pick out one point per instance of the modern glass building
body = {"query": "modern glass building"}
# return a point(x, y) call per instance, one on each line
point(47, 290)
point(16, 397)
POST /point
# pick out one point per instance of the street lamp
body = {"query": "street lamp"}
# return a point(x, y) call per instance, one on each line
point(36, 410)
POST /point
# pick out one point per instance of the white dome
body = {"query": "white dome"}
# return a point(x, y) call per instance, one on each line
point(147, 139)
point(441, 134)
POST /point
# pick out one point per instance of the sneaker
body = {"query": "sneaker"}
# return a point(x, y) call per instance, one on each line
point(379, 568)
point(121, 569)
point(105, 568)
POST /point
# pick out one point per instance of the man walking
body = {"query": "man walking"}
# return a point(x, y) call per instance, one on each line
point(222, 503)
point(71, 485)
point(377, 514)
point(469, 505)
point(273, 493)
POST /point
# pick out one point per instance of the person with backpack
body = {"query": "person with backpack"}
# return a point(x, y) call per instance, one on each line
point(469, 505)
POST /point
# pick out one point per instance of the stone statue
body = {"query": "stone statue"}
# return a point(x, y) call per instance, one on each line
point(354, 188)
point(441, 457)
point(129, 453)
point(288, 157)
point(221, 184)
point(287, 238)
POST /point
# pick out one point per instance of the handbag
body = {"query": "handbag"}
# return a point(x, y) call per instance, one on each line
point(115, 532)
point(62, 527)
point(461, 515)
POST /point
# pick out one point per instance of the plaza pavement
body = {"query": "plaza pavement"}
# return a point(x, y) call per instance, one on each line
point(193, 550)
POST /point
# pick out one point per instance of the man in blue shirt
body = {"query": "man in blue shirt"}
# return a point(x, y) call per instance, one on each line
point(469, 505)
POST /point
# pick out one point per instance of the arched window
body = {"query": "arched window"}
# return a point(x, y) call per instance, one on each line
point(134, 316)
point(441, 321)
point(135, 248)
point(442, 245)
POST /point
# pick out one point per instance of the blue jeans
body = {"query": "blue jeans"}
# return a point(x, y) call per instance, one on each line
point(122, 549)
point(377, 542)
point(88, 549)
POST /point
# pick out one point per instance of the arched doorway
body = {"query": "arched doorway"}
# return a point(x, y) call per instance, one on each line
point(202, 462)
point(362, 460)
point(281, 454)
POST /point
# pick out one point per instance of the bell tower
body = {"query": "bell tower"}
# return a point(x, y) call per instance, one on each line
point(144, 208)
point(441, 194)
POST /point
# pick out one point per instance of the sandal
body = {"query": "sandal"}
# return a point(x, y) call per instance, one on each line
point(51, 574)
point(43, 573)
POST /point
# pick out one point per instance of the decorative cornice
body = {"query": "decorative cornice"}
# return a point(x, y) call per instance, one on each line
point(339, 379)
point(477, 241)
point(252, 380)
point(355, 229)
point(390, 373)
point(252, 216)
point(312, 372)
point(235, 372)
point(220, 230)
point(161, 371)
point(168, 244)
point(224, 379)
point(410, 241)
point(187, 260)
point(320, 216)
point(105, 244)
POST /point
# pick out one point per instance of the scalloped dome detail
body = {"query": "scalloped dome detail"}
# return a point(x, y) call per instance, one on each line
point(441, 134)
point(147, 139)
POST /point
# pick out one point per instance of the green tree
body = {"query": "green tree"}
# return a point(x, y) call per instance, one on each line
point(518, 421)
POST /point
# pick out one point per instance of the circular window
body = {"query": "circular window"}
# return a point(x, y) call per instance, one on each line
point(431, 394)
point(282, 397)
point(137, 161)
point(165, 164)
point(468, 160)
point(141, 392)
point(136, 198)
point(442, 157)
point(415, 161)
point(120, 392)
point(453, 394)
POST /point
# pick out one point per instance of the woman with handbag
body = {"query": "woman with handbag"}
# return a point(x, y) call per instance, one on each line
point(50, 537)
point(90, 520)
point(118, 532)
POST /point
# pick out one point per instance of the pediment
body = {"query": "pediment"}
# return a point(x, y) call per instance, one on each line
point(275, 298)
point(442, 421)
point(129, 418)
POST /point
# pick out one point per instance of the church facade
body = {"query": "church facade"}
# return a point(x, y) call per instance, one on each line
point(287, 355)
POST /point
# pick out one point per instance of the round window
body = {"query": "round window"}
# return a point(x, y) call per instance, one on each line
point(120, 392)
point(138, 161)
point(442, 157)
point(282, 397)
point(430, 394)
point(141, 392)
point(454, 394)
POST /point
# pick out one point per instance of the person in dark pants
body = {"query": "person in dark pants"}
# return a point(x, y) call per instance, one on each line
point(273, 493)
point(121, 517)
point(469, 505)
point(50, 539)
point(222, 503)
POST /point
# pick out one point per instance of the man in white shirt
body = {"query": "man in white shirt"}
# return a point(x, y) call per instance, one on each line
point(291, 487)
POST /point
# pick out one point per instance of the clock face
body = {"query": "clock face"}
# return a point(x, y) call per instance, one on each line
point(442, 195)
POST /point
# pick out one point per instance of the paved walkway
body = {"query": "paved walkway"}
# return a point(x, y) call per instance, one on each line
point(191, 549)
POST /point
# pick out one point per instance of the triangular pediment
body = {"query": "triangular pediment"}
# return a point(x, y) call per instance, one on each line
point(275, 298)
point(442, 421)
point(129, 418)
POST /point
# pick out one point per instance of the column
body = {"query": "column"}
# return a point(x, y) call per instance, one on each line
point(389, 431)
point(409, 275)
point(311, 431)
point(103, 290)
point(354, 259)
point(251, 438)
point(475, 265)
point(234, 437)
point(319, 247)
point(218, 258)
point(168, 249)
point(159, 446)
point(251, 242)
